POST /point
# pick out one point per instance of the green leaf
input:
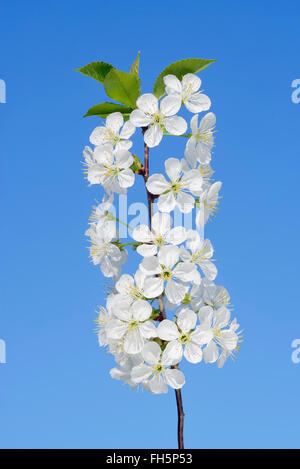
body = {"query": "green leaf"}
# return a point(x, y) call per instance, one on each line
point(136, 166)
point(104, 109)
point(122, 87)
point(96, 70)
point(135, 66)
point(179, 69)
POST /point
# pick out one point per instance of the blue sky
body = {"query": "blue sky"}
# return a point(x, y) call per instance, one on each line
point(55, 390)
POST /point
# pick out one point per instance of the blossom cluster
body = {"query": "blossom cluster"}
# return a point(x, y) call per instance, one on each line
point(171, 308)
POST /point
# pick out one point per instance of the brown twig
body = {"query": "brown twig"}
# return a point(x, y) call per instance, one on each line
point(161, 306)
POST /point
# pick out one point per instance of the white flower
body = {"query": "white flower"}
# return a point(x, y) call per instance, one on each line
point(157, 373)
point(213, 322)
point(103, 251)
point(138, 287)
point(208, 201)
point(173, 193)
point(100, 214)
point(160, 234)
point(123, 372)
point(110, 133)
point(111, 169)
point(201, 142)
point(187, 91)
point(215, 296)
point(158, 120)
point(185, 333)
point(200, 253)
point(166, 269)
point(131, 324)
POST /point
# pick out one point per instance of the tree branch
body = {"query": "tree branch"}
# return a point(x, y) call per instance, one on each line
point(161, 306)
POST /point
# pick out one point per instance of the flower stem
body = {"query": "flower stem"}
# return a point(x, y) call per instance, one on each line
point(161, 306)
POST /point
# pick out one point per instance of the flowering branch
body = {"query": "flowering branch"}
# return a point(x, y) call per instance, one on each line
point(177, 270)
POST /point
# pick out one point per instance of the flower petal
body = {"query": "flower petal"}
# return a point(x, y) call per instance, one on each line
point(141, 310)
point(170, 105)
point(172, 353)
point(193, 353)
point(161, 223)
point(175, 125)
point(173, 168)
point(153, 287)
point(197, 103)
point(151, 353)
point(139, 119)
point(148, 103)
point(133, 342)
point(114, 121)
point(153, 135)
point(173, 84)
point(175, 378)
point(167, 330)
point(157, 184)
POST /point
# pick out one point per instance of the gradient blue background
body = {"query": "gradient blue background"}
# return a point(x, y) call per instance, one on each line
point(55, 390)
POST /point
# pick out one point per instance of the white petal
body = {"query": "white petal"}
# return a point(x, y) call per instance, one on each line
point(157, 184)
point(173, 84)
point(176, 236)
point(194, 124)
point(142, 234)
point(175, 291)
point(221, 317)
point(192, 82)
point(133, 342)
point(124, 159)
point(126, 178)
point(140, 373)
point(197, 103)
point(150, 265)
point(205, 314)
point(170, 105)
point(175, 125)
point(208, 121)
point(210, 352)
point(161, 223)
point(148, 103)
point(175, 378)
point(185, 271)
point(153, 287)
point(147, 250)
point(172, 353)
point(209, 269)
point(139, 118)
point(173, 168)
point(153, 135)
point(167, 330)
point(185, 202)
point(166, 202)
point(157, 385)
point(116, 329)
point(114, 121)
point(228, 340)
point(124, 284)
point(193, 180)
point(186, 320)
point(127, 130)
point(141, 310)
point(168, 256)
point(121, 310)
point(148, 329)
point(193, 353)
point(98, 136)
point(151, 353)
